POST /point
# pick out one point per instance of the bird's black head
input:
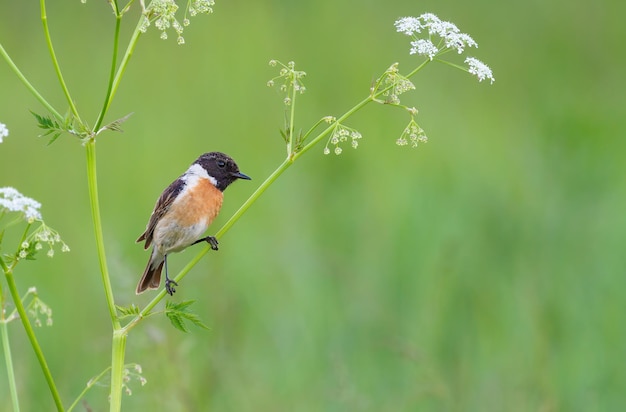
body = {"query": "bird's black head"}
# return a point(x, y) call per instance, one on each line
point(222, 168)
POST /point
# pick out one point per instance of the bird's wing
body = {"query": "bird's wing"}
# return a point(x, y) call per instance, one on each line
point(162, 205)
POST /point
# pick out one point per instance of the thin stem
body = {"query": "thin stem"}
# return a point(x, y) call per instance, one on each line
point(107, 98)
point(92, 180)
point(291, 121)
point(33, 339)
point(28, 85)
point(350, 112)
point(124, 62)
point(347, 114)
point(55, 63)
point(9, 360)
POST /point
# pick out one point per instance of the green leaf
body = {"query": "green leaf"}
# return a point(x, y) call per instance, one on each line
point(126, 311)
point(50, 125)
point(177, 321)
point(179, 312)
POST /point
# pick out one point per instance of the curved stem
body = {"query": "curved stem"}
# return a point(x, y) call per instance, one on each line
point(55, 63)
point(28, 85)
point(123, 64)
point(33, 339)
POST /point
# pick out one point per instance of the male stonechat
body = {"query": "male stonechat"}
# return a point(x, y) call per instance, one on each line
point(183, 213)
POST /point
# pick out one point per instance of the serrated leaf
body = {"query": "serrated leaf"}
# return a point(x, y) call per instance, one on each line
point(126, 311)
point(50, 125)
point(177, 321)
point(179, 312)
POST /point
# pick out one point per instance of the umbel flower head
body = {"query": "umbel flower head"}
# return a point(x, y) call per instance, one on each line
point(163, 14)
point(432, 37)
point(42, 235)
point(13, 201)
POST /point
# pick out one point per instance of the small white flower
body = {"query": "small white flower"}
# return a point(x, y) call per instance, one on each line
point(14, 201)
point(424, 47)
point(408, 25)
point(326, 150)
point(338, 150)
point(50, 253)
point(4, 132)
point(479, 69)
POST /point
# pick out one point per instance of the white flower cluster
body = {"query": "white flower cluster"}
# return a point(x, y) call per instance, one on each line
point(450, 35)
point(479, 69)
point(432, 37)
point(341, 134)
point(13, 201)
point(412, 134)
point(163, 14)
point(4, 132)
point(394, 83)
point(34, 242)
point(290, 78)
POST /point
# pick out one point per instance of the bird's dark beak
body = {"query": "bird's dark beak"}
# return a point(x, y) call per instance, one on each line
point(240, 175)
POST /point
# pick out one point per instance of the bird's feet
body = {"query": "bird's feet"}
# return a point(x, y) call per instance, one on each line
point(169, 286)
point(211, 240)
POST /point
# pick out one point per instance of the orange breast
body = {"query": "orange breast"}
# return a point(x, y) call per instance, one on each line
point(203, 201)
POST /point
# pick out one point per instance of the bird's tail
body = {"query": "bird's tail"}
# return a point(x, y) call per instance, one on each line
point(151, 278)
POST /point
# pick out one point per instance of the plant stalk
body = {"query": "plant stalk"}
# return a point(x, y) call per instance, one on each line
point(33, 339)
point(9, 361)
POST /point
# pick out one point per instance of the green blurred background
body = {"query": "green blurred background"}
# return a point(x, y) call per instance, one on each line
point(484, 271)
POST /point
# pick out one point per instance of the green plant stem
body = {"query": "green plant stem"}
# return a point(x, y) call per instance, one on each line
point(350, 112)
point(119, 335)
point(9, 360)
point(115, 81)
point(28, 85)
point(32, 338)
point(55, 62)
point(92, 180)
point(118, 350)
point(107, 99)
point(292, 120)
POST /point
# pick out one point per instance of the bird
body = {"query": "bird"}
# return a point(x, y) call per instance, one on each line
point(183, 213)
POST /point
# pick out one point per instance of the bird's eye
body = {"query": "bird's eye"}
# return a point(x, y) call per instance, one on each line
point(221, 163)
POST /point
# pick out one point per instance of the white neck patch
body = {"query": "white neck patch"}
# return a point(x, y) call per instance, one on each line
point(196, 172)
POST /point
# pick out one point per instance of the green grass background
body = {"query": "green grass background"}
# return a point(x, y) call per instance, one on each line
point(483, 271)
